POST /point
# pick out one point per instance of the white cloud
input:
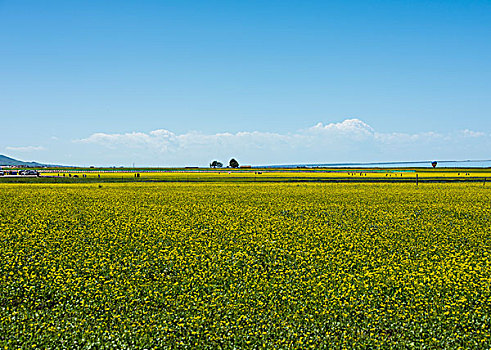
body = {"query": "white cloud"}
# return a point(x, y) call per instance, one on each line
point(470, 133)
point(165, 140)
point(134, 139)
point(25, 148)
point(404, 138)
point(354, 128)
point(348, 140)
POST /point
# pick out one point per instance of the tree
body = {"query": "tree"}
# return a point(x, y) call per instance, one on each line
point(216, 164)
point(233, 163)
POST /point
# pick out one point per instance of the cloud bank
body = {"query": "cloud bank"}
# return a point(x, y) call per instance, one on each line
point(345, 141)
point(25, 148)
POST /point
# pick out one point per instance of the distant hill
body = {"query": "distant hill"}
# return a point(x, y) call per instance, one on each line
point(7, 161)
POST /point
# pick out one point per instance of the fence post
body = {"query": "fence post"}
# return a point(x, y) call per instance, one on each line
point(416, 179)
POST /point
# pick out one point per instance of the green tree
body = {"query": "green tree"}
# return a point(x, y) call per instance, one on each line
point(233, 163)
point(216, 164)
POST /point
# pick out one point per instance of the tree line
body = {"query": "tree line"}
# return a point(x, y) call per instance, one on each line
point(217, 164)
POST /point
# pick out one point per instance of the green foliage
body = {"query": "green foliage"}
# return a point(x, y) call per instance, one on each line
point(233, 163)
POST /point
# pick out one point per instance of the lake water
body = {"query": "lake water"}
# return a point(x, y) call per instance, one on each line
point(421, 164)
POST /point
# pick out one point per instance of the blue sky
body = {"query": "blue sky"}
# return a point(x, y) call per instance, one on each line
point(185, 82)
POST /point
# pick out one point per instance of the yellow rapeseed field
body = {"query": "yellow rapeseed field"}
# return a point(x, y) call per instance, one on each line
point(235, 265)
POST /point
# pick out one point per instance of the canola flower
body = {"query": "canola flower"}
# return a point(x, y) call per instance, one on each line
point(245, 266)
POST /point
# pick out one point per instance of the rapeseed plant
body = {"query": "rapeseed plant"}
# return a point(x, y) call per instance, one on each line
point(245, 266)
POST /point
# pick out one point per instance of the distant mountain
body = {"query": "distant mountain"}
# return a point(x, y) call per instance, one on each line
point(7, 161)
